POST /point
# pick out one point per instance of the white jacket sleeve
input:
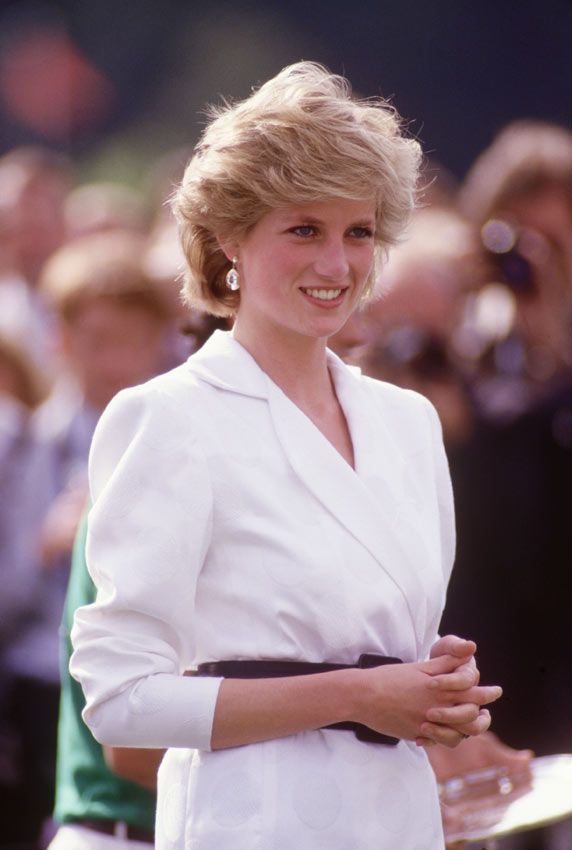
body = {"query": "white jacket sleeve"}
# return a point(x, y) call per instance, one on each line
point(149, 530)
point(444, 492)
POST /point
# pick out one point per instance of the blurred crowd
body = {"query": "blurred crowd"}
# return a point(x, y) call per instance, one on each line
point(474, 310)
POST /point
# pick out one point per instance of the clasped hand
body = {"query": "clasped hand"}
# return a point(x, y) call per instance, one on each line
point(450, 724)
point(438, 701)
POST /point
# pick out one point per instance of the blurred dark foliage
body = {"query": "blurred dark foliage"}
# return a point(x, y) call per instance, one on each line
point(458, 71)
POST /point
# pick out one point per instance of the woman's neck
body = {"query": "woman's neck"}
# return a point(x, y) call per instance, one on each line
point(296, 363)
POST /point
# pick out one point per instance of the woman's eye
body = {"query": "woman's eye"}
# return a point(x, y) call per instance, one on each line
point(303, 230)
point(362, 232)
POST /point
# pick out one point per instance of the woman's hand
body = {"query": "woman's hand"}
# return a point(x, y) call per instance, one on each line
point(463, 649)
point(450, 725)
point(397, 700)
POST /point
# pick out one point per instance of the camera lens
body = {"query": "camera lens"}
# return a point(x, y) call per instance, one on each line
point(500, 238)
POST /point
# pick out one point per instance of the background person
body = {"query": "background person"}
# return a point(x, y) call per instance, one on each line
point(519, 194)
point(512, 585)
point(114, 321)
point(95, 807)
point(35, 182)
point(413, 324)
point(24, 469)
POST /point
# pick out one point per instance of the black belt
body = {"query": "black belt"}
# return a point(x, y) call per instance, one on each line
point(276, 669)
point(120, 829)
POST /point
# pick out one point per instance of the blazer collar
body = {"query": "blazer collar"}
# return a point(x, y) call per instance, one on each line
point(225, 363)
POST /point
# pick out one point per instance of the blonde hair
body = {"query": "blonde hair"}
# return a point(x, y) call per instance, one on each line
point(299, 138)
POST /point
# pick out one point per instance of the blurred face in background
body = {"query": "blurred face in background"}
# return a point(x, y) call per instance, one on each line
point(410, 333)
point(542, 226)
point(549, 212)
point(37, 217)
point(111, 344)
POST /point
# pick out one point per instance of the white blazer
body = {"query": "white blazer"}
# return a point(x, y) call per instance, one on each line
point(226, 526)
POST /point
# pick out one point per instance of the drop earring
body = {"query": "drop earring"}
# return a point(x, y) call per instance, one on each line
point(232, 276)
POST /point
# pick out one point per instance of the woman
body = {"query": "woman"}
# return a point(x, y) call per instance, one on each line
point(265, 504)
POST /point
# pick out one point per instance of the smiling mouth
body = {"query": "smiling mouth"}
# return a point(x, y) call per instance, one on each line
point(323, 294)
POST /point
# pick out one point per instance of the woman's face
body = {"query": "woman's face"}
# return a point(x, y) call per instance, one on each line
point(303, 268)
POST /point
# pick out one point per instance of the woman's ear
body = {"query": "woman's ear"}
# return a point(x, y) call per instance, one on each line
point(229, 247)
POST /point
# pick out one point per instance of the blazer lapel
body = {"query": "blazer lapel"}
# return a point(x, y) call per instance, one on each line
point(386, 466)
point(365, 501)
point(369, 501)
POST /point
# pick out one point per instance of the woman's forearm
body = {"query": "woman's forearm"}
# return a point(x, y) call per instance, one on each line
point(249, 711)
point(394, 699)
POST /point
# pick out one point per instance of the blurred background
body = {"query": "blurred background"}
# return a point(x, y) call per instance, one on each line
point(115, 83)
point(100, 106)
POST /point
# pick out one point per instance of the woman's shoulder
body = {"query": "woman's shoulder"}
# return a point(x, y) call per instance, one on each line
point(167, 391)
point(160, 410)
point(393, 396)
point(404, 410)
point(150, 425)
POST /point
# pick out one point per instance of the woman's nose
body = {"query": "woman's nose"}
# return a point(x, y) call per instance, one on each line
point(332, 262)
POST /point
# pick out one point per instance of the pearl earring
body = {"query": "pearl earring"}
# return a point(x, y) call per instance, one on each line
point(232, 276)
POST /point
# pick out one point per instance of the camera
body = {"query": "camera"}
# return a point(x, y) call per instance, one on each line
point(500, 239)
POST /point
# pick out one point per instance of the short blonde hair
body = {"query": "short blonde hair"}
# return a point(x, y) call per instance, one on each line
point(299, 138)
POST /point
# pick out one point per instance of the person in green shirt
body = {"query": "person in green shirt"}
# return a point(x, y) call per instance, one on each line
point(104, 797)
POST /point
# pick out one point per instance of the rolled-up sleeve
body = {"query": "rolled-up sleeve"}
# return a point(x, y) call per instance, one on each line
point(149, 530)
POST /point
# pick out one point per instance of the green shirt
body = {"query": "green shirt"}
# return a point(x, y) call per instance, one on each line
point(85, 786)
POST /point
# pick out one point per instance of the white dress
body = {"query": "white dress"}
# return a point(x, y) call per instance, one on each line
point(226, 526)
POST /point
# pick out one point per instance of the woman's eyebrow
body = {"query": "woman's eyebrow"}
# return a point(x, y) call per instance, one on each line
point(310, 219)
point(302, 217)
